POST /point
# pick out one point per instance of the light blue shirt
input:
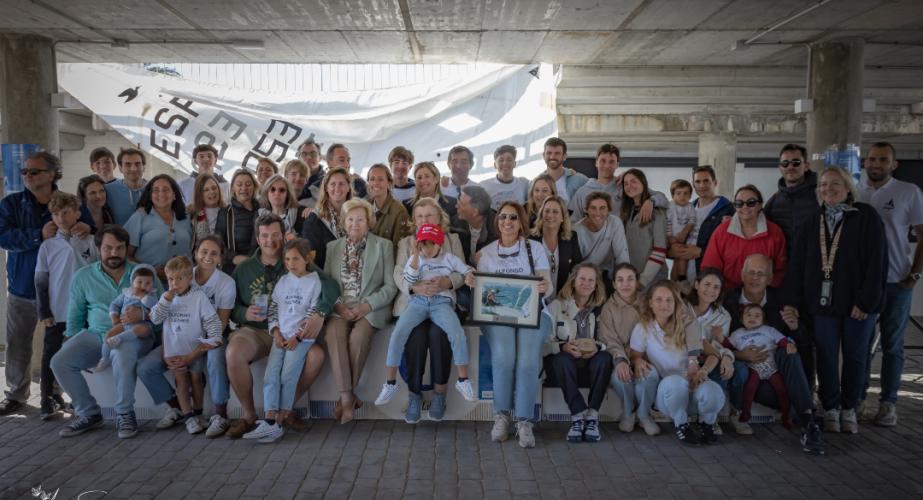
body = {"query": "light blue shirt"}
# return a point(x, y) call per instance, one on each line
point(155, 243)
point(91, 293)
point(122, 201)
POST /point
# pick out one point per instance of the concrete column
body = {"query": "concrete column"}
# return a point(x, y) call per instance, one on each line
point(27, 79)
point(720, 151)
point(836, 86)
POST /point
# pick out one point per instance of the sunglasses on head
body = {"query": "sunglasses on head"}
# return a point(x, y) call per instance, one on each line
point(752, 202)
point(790, 163)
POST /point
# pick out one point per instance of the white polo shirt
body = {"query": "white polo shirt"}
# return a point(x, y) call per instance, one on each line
point(900, 205)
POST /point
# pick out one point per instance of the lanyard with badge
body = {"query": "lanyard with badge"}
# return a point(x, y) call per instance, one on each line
point(826, 261)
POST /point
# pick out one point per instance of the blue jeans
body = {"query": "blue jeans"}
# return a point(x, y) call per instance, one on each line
point(283, 369)
point(82, 352)
point(150, 371)
point(516, 357)
point(643, 391)
point(893, 323)
point(834, 334)
point(218, 383)
point(735, 385)
point(676, 401)
point(438, 309)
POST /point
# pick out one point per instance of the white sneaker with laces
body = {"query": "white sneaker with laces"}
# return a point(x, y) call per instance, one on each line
point(275, 433)
point(217, 426)
point(386, 395)
point(741, 428)
point(263, 429)
point(627, 424)
point(193, 426)
point(466, 390)
point(650, 427)
point(848, 421)
point(501, 429)
point(832, 420)
point(524, 431)
point(170, 418)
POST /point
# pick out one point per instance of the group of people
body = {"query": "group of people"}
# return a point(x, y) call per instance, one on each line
point(306, 262)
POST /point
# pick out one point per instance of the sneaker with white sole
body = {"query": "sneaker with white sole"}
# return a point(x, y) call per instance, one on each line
point(217, 426)
point(832, 420)
point(193, 425)
point(437, 407)
point(263, 429)
point(650, 427)
point(848, 422)
point(591, 433)
point(627, 424)
point(414, 409)
point(887, 415)
point(78, 425)
point(275, 434)
point(501, 429)
point(575, 432)
point(524, 431)
point(126, 425)
point(741, 428)
point(866, 411)
point(386, 395)
point(170, 418)
point(467, 390)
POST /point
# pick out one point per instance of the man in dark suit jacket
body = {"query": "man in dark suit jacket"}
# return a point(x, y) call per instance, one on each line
point(474, 223)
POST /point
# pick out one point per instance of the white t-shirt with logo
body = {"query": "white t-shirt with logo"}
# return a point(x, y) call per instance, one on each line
point(187, 321)
point(516, 190)
point(294, 299)
point(220, 290)
point(513, 260)
point(666, 358)
point(437, 267)
point(900, 206)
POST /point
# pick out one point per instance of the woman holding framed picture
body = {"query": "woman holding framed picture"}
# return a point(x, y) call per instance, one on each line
point(515, 352)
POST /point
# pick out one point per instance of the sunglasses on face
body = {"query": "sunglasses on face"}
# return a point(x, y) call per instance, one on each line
point(790, 163)
point(752, 202)
point(32, 171)
point(508, 216)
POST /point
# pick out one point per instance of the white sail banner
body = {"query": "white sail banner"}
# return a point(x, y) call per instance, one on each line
point(168, 115)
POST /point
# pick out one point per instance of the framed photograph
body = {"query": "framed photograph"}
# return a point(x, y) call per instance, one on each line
point(501, 299)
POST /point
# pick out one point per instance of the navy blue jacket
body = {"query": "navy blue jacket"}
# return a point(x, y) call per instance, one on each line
point(21, 220)
point(723, 208)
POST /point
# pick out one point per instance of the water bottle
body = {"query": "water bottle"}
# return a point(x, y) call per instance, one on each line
point(853, 161)
point(831, 156)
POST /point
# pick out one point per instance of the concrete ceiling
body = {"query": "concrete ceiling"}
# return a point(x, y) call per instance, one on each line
point(591, 32)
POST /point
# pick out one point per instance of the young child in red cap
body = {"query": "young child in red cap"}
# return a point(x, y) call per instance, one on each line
point(424, 264)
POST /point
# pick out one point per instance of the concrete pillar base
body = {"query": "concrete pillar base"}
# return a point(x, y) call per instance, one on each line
point(720, 151)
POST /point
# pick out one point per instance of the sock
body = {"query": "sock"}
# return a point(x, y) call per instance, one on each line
point(391, 382)
point(270, 421)
point(188, 415)
point(579, 416)
point(221, 410)
point(592, 414)
point(198, 412)
point(462, 379)
point(173, 403)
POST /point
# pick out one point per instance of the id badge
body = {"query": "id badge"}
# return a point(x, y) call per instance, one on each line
point(826, 292)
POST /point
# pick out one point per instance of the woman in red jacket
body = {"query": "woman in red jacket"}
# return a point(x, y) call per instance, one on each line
point(747, 232)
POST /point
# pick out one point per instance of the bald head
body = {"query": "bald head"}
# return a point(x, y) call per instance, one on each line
point(757, 273)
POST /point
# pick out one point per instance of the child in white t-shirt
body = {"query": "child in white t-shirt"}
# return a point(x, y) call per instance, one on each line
point(190, 328)
point(141, 295)
point(294, 299)
point(425, 264)
point(754, 333)
point(681, 221)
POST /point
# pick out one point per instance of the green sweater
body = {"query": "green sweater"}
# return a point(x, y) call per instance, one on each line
point(91, 292)
point(252, 276)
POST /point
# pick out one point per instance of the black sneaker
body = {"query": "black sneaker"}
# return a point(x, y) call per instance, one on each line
point(687, 435)
point(707, 433)
point(591, 432)
point(62, 405)
point(575, 433)
point(126, 425)
point(812, 439)
point(49, 408)
point(8, 406)
point(79, 425)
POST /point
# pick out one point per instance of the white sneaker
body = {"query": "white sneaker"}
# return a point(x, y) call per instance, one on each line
point(741, 428)
point(650, 427)
point(193, 426)
point(217, 426)
point(501, 429)
point(832, 420)
point(524, 431)
point(263, 429)
point(848, 421)
point(275, 433)
point(627, 424)
point(170, 418)
point(466, 390)
point(387, 394)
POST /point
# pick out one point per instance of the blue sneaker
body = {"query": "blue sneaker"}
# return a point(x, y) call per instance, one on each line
point(414, 407)
point(437, 407)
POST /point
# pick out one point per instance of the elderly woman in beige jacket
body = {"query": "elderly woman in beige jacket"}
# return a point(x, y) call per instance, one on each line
point(363, 265)
point(575, 347)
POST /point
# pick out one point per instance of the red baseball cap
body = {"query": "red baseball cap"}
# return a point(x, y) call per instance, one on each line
point(431, 232)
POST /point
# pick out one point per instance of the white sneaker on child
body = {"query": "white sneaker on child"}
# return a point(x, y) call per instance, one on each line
point(386, 395)
point(466, 390)
point(263, 429)
point(193, 426)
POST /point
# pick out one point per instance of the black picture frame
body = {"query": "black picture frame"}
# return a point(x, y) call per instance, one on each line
point(509, 306)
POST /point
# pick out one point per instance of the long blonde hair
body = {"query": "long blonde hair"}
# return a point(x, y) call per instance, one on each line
point(323, 207)
point(564, 231)
point(597, 298)
point(675, 329)
point(531, 209)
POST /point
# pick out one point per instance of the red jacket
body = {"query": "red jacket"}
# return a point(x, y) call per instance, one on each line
point(728, 249)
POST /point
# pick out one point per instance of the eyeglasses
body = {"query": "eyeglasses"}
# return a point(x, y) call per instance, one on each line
point(32, 171)
point(757, 274)
point(508, 216)
point(752, 202)
point(790, 163)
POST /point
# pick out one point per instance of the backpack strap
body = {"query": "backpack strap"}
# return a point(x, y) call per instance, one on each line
point(531, 260)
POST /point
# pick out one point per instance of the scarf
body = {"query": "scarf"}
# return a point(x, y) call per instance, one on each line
point(833, 215)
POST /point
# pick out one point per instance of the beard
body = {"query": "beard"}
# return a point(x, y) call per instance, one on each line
point(114, 262)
